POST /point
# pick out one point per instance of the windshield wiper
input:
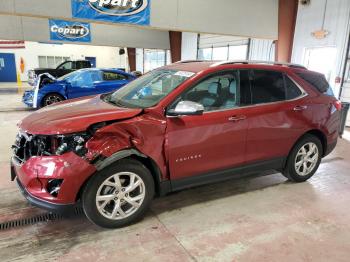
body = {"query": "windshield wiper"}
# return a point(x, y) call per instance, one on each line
point(108, 99)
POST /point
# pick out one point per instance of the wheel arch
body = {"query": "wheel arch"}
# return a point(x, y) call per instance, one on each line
point(50, 93)
point(148, 162)
point(317, 133)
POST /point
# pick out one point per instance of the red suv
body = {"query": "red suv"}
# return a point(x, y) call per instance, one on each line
point(179, 126)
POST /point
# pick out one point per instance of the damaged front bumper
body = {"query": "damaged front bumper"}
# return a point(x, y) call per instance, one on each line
point(28, 98)
point(52, 182)
point(55, 208)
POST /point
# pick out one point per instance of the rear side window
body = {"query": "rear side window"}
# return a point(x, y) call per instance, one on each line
point(111, 76)
point(319, 82)
point(267, 87)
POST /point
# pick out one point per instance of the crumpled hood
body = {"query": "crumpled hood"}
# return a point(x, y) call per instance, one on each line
point(74, 116)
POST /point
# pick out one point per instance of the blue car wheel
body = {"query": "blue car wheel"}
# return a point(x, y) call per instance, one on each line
point(50, 99)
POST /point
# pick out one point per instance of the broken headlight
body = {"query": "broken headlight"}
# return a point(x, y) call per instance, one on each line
point(71, 143)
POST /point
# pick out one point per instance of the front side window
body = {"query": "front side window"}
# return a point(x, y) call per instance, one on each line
point(150, 89)
point(217, 92)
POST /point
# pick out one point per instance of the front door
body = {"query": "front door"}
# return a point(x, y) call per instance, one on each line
point(213, 141)
point(7, 68)
point(85, 83)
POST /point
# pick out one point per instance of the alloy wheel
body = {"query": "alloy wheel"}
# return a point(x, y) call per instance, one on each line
point(306, 159)
point(120, 195)
point(52, 99)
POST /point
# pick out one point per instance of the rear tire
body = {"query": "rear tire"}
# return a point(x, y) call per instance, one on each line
point(304, 159)
point(118, 195)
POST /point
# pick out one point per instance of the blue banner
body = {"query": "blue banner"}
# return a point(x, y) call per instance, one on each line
point(69, 31)
point(115, 11)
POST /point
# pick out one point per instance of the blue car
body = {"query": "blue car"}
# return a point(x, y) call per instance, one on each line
point(84, 82)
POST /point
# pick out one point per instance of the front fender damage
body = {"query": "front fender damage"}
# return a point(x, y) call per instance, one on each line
point(142, 136)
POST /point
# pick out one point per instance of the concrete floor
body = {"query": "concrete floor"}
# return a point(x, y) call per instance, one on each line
point(258, 219)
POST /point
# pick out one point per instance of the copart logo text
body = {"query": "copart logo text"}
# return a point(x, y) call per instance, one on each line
point(70, 31)
point(119, 7)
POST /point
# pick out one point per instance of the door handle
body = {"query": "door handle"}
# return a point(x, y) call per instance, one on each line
point(299, 108)
point(237, 118)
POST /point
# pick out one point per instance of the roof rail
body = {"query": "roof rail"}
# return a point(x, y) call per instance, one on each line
point(190, 61)
point(229, 62)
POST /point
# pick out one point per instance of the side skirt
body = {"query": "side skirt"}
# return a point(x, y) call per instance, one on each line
point(237, 172)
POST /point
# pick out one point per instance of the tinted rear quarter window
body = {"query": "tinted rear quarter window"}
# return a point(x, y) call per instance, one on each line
point(318, 81)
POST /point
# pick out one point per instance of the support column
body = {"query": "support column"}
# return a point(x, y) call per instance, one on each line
point(175, 45)
point(287, 15)
point(132, 58)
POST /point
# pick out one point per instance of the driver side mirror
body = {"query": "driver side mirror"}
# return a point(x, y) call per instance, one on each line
point(186, 108)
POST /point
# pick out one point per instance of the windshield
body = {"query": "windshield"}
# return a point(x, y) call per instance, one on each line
point(149, 89)
point(69, 76)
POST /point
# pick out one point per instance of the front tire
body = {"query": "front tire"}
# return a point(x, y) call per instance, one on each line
point(304, 159)
point(118, 195)
point(51, 99)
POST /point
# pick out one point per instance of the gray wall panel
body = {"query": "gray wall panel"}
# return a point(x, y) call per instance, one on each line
point(7, 6)
point(11, 28)
point(111, 35)
point(236, 17)
point(164, 14)
point(35, 29)
point(53, 8)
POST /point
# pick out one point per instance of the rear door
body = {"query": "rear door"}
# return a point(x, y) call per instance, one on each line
point(276, 114)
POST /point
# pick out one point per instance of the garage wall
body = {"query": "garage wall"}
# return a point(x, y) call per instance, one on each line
point(106, 57)
point(310, 18)
point(230, 17)
point(261, 49)
point(189, 46)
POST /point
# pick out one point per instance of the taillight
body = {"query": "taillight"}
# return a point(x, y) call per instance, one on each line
point(337, 105)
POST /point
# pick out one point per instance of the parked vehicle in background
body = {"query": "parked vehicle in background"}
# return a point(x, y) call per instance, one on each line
point(179, 126)
point(61, 70)
point(84, 82)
